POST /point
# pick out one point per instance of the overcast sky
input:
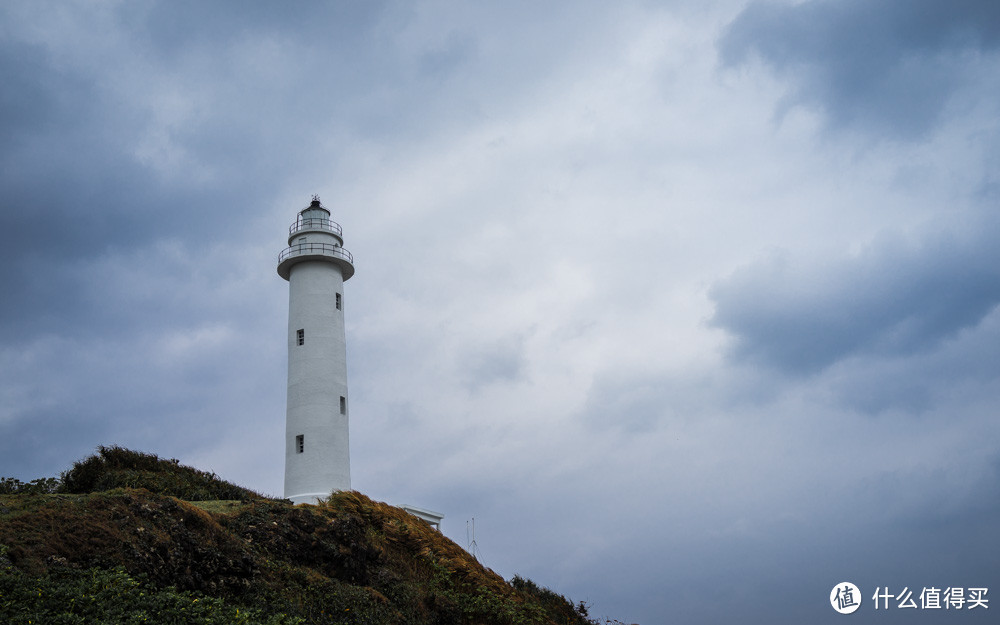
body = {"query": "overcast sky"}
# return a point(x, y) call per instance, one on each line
point(693, 306)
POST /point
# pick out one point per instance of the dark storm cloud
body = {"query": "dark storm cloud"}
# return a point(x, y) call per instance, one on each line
point(918, 383)
point(72, 186)
point(885, 67)
point(895, 298)
point(73, 189)
point(26, 101)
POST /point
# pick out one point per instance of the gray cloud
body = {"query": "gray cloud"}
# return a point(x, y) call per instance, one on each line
point(894, 299)
point(889, 68)
point(178, 27)
point(491, 364)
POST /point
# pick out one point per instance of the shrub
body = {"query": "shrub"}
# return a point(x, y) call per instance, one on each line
point(116, 467)
point(41, 486)
point(71, 596)
point(552, 603)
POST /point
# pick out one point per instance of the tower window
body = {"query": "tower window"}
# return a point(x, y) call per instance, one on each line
point(338, 301)
point(301, 335)
point(300, 443)
point(343, 405)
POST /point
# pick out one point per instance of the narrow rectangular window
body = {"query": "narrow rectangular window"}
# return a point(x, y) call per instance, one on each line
point(300, 443)
point(343, 405)
point(338, 301)
point(301, 337)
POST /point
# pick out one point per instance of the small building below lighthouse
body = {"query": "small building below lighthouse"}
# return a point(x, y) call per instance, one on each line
point(316, 265)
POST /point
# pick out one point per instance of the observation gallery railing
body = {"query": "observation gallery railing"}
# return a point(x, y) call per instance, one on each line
point(309, 249)
point(316, 224)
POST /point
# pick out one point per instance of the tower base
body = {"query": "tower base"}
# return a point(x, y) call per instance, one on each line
point(310, 498)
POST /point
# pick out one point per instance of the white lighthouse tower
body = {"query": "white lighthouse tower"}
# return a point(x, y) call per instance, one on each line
point(316, 265)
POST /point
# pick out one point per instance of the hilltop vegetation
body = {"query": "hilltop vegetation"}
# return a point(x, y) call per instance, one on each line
point(127, 537)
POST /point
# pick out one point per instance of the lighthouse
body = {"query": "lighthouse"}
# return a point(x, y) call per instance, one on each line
point(316, 265)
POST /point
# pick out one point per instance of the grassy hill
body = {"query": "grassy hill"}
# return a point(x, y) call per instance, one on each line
point(126, 537)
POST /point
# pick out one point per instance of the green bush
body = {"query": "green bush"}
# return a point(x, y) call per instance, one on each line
point(552, 603)
point(116, 467)
point(97, 596)
point(41, 486)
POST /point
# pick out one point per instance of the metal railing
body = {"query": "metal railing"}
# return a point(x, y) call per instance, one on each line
point(316, 224)
point(307, 249)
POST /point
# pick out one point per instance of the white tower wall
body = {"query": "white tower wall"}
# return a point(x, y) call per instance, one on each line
point(317, 450)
